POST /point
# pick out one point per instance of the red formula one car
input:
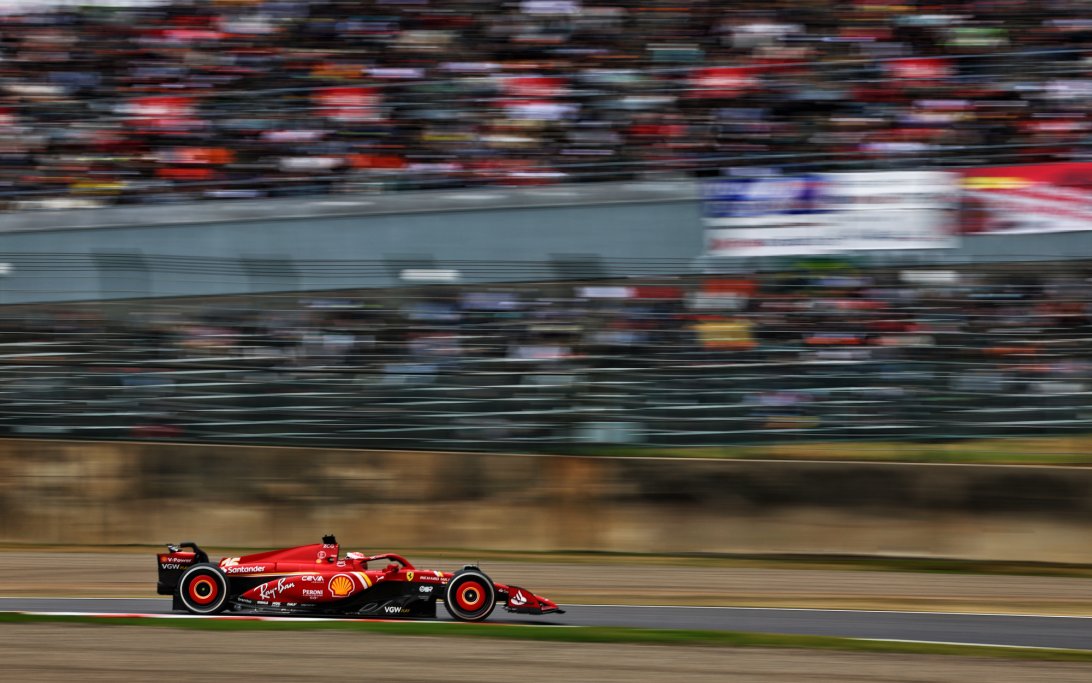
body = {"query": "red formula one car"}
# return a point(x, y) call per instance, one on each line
point(316, 580)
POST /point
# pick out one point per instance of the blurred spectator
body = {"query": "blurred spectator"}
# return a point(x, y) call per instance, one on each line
point(837, 351)
point(145, 101)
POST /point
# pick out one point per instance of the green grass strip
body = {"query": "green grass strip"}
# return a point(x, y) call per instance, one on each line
point(573, 634)
point(1067, 450)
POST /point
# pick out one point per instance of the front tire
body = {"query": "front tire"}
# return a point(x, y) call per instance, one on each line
point(203, 589)
point(470, 596)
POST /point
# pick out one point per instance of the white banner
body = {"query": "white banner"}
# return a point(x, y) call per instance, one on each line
point(894, 209)
point(29, 6)
point(831, 212)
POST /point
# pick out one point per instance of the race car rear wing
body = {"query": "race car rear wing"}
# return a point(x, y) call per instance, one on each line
point(175, 561)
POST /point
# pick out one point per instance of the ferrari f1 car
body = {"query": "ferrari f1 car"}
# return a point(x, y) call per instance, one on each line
point(315, 579)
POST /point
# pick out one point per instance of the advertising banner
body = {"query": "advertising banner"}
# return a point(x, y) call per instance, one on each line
point(534, 86)
point(893, 209)
point(348, 104)
point(717, 82)
point(1027, 199)
point(164, 113)
point(918, 70)
point(830, 212)
point(28, 6)
point(764, 216)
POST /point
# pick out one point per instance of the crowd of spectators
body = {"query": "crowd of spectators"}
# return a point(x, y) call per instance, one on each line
point(967, 318)
point(167, 101)
point(791, 350)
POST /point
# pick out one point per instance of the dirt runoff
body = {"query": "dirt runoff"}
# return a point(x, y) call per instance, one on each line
point(66, 652)
point(98, 574)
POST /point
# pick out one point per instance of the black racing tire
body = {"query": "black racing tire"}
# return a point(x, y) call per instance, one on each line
point(203, 589)
point(470, 595)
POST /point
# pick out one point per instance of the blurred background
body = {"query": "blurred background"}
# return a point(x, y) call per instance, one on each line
point(160, 101)
point(750, 229)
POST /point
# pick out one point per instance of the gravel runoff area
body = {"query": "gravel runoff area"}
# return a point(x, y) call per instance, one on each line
point(620, 581)
point(66, 652)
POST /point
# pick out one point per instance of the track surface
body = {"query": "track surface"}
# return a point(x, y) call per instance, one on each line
point(979, 629)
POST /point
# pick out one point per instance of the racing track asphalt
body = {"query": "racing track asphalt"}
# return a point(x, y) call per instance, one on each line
point(977, 629)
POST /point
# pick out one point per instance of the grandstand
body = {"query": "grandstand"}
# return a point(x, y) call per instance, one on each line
point(848, 354)
point(153, 102)
point(289, 318)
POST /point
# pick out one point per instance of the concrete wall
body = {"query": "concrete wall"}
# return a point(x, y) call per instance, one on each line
point(123, 493)
point(350, 241)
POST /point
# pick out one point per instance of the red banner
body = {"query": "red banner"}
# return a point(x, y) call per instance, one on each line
point(534, 87)
point(164, 113)
point(916, 70)
point(348, 103)
point(1027, 199)
point(718, 82)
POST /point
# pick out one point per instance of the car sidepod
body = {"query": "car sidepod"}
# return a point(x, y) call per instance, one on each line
point(405, 599)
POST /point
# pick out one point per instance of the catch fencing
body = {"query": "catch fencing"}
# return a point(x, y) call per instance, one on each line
point(823, 351)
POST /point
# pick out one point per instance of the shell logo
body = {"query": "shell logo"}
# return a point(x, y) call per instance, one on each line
point(341, 585)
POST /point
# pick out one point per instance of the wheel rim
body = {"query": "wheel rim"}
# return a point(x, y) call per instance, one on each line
point(470, 596)
point(203, 590)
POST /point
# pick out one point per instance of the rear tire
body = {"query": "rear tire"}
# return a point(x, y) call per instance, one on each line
point(470, 596)
point(203, 589)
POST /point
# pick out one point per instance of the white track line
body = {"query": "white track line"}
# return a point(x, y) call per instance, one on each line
point(162, 599)
point(946, 642)
point(705, 607)
point(219, 617)
point(691, 607)
point(114, 615)
point(256, 617)
point(636, 607)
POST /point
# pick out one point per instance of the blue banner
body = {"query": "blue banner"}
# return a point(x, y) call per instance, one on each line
point(761, 196)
